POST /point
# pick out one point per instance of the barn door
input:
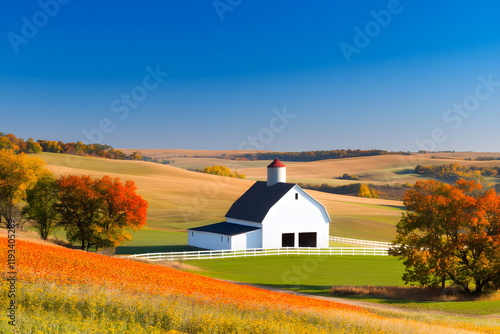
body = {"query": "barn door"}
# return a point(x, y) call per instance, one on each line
point(308, 239)
point(288, 240)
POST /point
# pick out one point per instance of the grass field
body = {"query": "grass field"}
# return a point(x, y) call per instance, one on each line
point(180, 199)
point(479, 307)
point(68, 291)
point(154, 241)
point(312, 273)
point(383, 169)
point(316, 275)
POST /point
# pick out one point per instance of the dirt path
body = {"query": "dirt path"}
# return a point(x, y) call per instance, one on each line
point(373, 306)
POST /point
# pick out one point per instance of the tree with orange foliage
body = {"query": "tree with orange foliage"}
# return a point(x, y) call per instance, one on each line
point(98, 212)
point(451, 233)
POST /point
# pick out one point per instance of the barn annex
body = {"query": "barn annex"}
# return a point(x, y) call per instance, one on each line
point(270, 214)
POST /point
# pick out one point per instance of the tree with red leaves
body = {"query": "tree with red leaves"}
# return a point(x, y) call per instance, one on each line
point(98, 212)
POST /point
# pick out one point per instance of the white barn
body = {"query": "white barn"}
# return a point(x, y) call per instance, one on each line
point(270, 214)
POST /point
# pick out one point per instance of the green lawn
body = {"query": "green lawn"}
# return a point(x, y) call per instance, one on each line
point(316, 274)
point(480, 307)
point(305, 273)
point(153, 241)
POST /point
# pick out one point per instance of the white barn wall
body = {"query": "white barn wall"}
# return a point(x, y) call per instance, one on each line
point(247, 240)
point(254, 239)
point(238, 242)
point(208, 240)
point(289, 215)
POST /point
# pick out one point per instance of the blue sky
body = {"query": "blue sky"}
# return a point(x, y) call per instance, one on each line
point(274, 75)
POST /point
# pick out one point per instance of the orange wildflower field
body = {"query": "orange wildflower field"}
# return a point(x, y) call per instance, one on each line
point(59, 265)
point(62, 290)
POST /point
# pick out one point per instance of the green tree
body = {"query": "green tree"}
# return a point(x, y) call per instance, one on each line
point(40, 208)
point(450, 234)
point(135, 156)
point(33, 147)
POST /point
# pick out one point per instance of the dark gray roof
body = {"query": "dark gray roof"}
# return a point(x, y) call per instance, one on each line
point(225, 228)
point(256, 202)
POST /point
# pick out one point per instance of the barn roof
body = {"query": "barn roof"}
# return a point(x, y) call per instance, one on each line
point(256, 202)
point(225, 228)
point(276, 163)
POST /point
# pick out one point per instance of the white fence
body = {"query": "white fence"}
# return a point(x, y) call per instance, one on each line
point(221, 254)
point(362, 242)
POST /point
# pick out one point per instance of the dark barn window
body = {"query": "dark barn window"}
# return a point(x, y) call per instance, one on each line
point(307, 239)
point(288, 240)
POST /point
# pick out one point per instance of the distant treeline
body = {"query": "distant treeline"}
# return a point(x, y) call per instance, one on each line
point(355, 189)
point(309, 155)
point(453, 172)
point(485, 158)
point(10, 141)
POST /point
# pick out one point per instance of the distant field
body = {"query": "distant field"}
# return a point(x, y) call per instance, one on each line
point(194, 163)
point(180, 199)
point(382, 169)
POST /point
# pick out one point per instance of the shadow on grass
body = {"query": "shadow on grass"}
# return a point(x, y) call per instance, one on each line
point(128, 250)
point(406, 171)
point(318, 290)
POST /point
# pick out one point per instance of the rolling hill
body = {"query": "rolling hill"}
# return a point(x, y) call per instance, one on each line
point(181, 199)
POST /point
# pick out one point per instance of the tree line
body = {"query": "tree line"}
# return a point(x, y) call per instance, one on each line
point(454, 172)
point(18, 145)
point(309, 155)
point(354, 189)
point(93, 212)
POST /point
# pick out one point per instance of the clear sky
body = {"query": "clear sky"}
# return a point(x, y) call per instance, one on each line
point(275, 75)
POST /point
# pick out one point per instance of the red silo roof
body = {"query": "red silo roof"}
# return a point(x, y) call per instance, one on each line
point(276, 163)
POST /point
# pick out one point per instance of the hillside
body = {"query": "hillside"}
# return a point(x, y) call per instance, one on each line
point(70, 291)
point(180, 199)
point(382, 169)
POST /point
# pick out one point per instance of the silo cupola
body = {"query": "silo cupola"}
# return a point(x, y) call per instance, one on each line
point(276, 172)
